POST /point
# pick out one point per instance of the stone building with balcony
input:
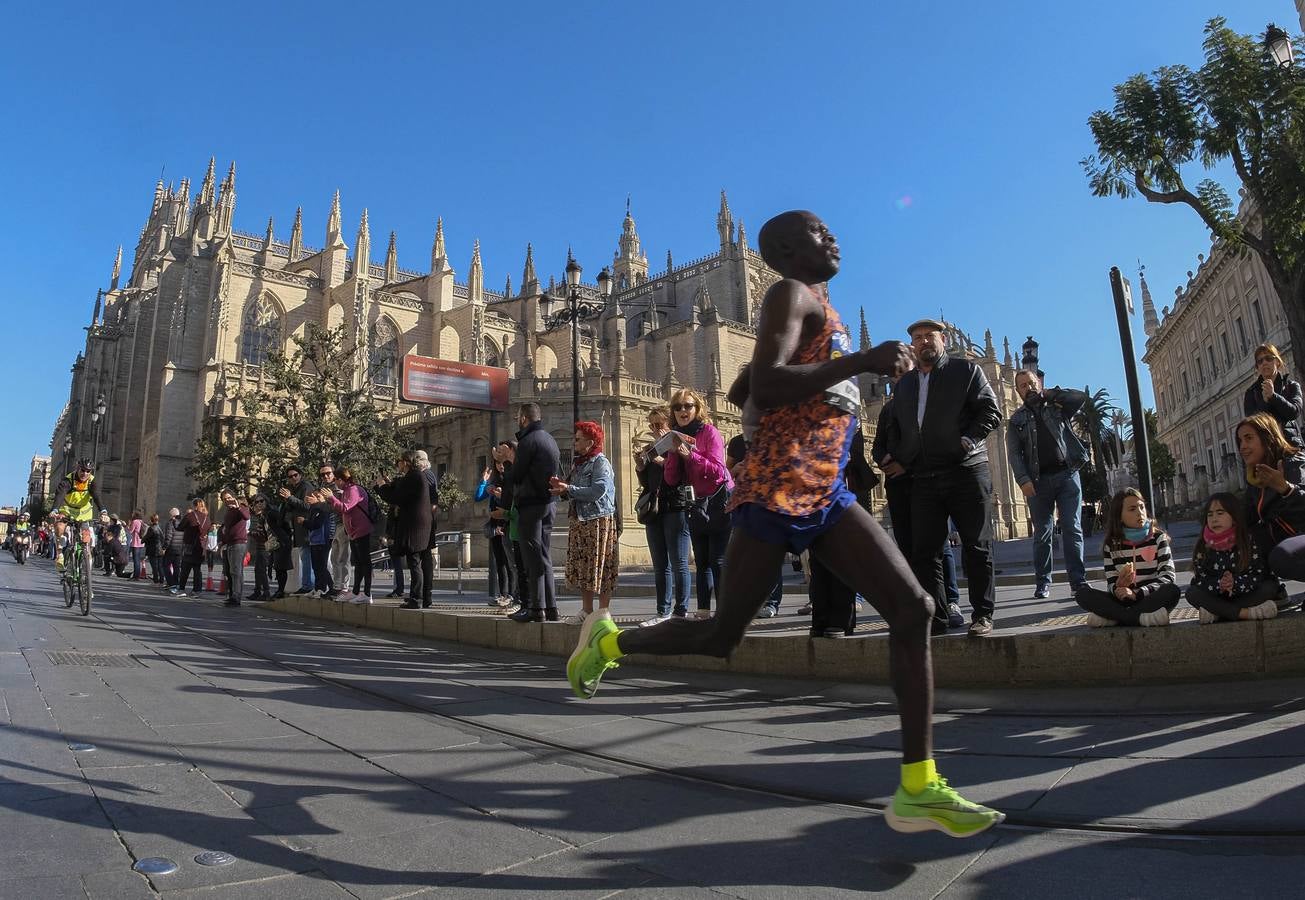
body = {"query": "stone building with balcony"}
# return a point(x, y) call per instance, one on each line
point(1200, 355)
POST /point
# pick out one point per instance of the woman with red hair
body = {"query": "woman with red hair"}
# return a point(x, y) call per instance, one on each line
point(591, 547)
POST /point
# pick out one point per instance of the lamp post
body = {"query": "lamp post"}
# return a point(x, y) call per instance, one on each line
point(576, 310)
point(97, 416)
point(1279, 45)
point(1141, 446)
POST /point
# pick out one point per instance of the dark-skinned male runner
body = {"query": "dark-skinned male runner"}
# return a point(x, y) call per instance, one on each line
point(790, 496)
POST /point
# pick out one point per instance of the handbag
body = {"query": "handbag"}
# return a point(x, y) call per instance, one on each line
point(272, 543)
point(645, 507)
point(708, 513)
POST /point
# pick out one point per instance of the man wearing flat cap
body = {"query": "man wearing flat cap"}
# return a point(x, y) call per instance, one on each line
point(943, 412)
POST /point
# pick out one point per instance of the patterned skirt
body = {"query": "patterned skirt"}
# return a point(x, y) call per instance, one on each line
point(591, 555)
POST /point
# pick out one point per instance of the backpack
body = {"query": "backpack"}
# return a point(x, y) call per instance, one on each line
point(373, 508)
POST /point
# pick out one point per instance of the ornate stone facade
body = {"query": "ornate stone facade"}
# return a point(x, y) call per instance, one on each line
point(1199, 352)
point(204, 304)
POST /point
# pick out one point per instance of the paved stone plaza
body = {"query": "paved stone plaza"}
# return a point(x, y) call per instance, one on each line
point(336, 762)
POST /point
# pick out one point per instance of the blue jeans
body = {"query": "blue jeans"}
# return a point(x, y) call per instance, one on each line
point(776, 595)
point(950, 585)
point(668, 543)
point(306, 581)
point(1057, 491)
point(709, 559)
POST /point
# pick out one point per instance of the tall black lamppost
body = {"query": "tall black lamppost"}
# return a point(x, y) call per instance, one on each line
point(67, 451)
point(1141, 446)
point(575, 310)
point(97, 417)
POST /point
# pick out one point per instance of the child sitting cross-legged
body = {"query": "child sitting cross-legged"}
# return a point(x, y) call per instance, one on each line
point(1230, 576)
point(1139, 569)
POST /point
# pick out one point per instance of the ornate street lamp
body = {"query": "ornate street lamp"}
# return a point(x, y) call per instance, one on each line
point(576, 310)
point(1279, 44)
point(97, 416)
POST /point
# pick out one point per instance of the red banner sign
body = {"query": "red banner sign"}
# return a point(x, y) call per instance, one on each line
point(443, 382)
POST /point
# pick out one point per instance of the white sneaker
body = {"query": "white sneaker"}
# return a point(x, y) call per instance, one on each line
point(655, 620)
point(1266, 610)
point(1152, 619)
point(1205, 617)
point(362, 599)
point(577, 619)
point(1095, 621)
point(314, 595)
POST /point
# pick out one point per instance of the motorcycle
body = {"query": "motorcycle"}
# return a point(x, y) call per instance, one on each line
point(20, 545)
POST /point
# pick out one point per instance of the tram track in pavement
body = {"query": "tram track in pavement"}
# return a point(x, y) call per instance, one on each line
point(1017, 821)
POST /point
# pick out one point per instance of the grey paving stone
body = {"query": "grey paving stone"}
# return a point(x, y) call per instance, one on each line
point(1247, 794)
point(1038, 866)
point(302, 886)
point(46, 887)
point(119, 884)
point(66, 834)
point(440, 854)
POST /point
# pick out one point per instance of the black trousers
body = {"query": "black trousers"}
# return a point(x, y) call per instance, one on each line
point(522, 595)
point(421, 574)
point(1107, 605)
point(535, 526)
point(1226, 607)
point(502, 565)
point(833, 604)
point(964, 495)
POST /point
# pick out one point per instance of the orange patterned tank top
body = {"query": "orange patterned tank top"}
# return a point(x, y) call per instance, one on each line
point(795, 463)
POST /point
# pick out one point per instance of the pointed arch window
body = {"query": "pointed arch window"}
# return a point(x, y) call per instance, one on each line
point(491, 355)
point(260, 331)
point(384, 347)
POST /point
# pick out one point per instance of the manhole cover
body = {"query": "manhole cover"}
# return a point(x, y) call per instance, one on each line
point(215, 858)
point(121, 659)
point(155, 865)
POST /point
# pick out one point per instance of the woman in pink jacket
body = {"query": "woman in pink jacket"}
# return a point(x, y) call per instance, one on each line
point(698, 460)
point(350, 500)
point(137, 544)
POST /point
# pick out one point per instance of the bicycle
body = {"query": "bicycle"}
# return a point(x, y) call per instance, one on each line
point(76, 578)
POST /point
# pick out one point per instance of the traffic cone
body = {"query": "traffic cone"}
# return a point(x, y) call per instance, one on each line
point(223, 588)
point(208, 585)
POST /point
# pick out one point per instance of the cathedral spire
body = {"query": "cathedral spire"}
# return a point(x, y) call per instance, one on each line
point(865, 332)
point(629, 265)
point(268, 237)
point(362, 250)
point(117, 270)
point(206, 190)
point(297, 235)
point(725, 222)
point(333, 224)
point(529, 280)
point(507, 288)
point(989, 351)
point(476, 275)
point(670, 366)
point(438, 257)
point(227, 201)
point(670, 263)
point(743, 237)
point(1150, 321)
point(391, 261)
point(1006, 358)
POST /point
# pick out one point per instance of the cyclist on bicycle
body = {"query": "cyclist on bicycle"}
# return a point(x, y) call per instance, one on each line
point(79, 503)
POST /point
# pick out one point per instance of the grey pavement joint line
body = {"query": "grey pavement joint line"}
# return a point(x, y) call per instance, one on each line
point(965, 868)
point(90, 785)
point(1047, 823)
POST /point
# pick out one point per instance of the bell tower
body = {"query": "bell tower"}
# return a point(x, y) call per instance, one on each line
point(629, 265)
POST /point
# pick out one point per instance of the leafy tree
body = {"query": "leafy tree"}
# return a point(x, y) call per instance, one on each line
point(1239, 106)
point(308, 409)
point(449, 493)
point(1163, 466)
point(1093, 422)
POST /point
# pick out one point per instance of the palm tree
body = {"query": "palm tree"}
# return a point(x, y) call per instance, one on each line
point(1094, 423)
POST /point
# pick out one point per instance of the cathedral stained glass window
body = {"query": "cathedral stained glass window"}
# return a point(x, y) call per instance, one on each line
point(260, 331)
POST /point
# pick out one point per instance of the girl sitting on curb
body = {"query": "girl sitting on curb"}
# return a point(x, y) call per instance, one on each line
point(1139, 569)
point(1230, 576)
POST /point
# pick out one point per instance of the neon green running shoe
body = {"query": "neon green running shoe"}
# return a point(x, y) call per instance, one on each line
point(587, 664)
point(939, 808)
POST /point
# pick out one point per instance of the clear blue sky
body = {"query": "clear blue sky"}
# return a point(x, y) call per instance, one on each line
point(941, 144)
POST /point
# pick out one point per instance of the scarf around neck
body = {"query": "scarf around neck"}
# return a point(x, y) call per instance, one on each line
point(1219, 540)
point(1138, 535)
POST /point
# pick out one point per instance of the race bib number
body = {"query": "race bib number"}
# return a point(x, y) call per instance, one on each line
point(846, 395)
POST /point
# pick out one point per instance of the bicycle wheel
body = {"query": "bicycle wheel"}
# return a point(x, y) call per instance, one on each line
point(84, 586)
point(69, 592)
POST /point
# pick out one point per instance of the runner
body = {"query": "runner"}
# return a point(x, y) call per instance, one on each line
point(791, 496)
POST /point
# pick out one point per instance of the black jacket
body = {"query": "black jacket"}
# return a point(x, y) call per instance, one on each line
point(410, 496)
point(537, 460)
point(1273, 517)
point(432, 484)
point(960, 404)
point(1284, 405)
point(294, 507)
